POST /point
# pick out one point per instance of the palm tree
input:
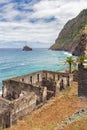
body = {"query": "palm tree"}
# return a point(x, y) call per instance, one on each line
point(81, 59)
point(70, 61)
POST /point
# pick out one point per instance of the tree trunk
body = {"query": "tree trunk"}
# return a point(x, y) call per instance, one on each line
point(70, 68)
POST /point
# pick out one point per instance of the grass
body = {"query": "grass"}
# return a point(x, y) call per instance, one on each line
point(53, 112)
point(78, 125)
point(68, 88)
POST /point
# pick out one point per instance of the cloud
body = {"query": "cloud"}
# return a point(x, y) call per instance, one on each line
point(27, 32)
point(36, 22)
point(4, 1)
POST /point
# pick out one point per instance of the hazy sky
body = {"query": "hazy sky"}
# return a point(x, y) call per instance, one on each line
point(36, 23)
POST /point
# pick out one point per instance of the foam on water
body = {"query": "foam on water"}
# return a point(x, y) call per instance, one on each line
point(15, 62)
point(67, 53)
point(22, 64)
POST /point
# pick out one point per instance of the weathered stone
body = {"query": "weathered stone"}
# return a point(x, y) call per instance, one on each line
point(79, 114)
point(21, 95)
point(82, 81)
point(81, 47)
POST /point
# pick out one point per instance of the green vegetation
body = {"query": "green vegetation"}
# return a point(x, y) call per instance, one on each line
point(71, 32)
point(68, 88)
point(70, 61)
point(81, 59)
point(73, 63)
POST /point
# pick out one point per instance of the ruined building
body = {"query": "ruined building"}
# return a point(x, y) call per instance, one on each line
point(82, 68)
point(82, 80)
point(21, 95)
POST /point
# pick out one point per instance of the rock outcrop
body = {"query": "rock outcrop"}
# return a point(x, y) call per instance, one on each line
point(78, 115)
point(27, 48)
point(68, 38)
point(80, 49)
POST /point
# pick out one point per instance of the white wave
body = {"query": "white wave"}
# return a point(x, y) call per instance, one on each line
point(22, 64)
point(67, 53)
point(0, 91)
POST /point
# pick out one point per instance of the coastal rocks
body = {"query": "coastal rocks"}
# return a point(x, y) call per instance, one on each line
point(81, 47)
point(27, 48)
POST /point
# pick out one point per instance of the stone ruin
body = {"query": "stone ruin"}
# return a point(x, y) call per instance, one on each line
point(81, 75)
point(21, 95)
point(82, 80)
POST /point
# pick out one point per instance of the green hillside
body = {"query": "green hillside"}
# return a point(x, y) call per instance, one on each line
point(69, 36)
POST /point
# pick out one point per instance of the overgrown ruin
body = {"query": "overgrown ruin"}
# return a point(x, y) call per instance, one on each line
point(21, 95)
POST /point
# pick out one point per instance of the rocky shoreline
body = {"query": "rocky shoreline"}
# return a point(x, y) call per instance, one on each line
point(79, 49)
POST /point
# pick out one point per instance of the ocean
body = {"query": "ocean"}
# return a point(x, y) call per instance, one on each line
point(15, 62)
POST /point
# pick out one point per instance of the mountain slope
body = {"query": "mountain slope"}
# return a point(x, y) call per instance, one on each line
point(69, 36)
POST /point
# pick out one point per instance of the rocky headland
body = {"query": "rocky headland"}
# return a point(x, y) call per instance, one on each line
point(69, 37)
point(80, 49)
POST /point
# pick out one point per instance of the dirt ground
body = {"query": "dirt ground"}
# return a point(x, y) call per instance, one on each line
point(53, 112)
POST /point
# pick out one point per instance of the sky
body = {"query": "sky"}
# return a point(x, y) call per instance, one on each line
point(36, 23)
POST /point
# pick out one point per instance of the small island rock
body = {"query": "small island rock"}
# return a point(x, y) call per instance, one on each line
point(27, 48)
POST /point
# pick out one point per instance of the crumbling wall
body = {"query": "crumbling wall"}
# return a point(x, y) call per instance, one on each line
point(82, 81)
point(70, 79)
point(75, 76)
point(24, 93)
point(6, 120)
point(23, 106)
point(4, 113)
point(11, 111)
point(32, 78)
point(0, 122)
point(12, 89)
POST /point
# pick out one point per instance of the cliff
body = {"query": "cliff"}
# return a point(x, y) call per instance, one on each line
point(69, 36)
point(27, 48)
point(80, 49)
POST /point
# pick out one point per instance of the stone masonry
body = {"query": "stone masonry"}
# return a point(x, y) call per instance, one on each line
point(82, 80)
point(21, 95)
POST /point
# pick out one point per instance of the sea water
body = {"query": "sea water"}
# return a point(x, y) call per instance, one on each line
point(15, 62)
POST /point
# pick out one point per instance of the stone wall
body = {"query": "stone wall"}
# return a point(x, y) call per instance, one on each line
point(32, 78)
point(0, 122)
point(13, 89)
point(36, 77)
point(11, 111)
point(22, 106)
point(82, 81)
point(23, 94)
point(4, 113)
point(35, 82)
point(1, 117)
point(75, 76)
